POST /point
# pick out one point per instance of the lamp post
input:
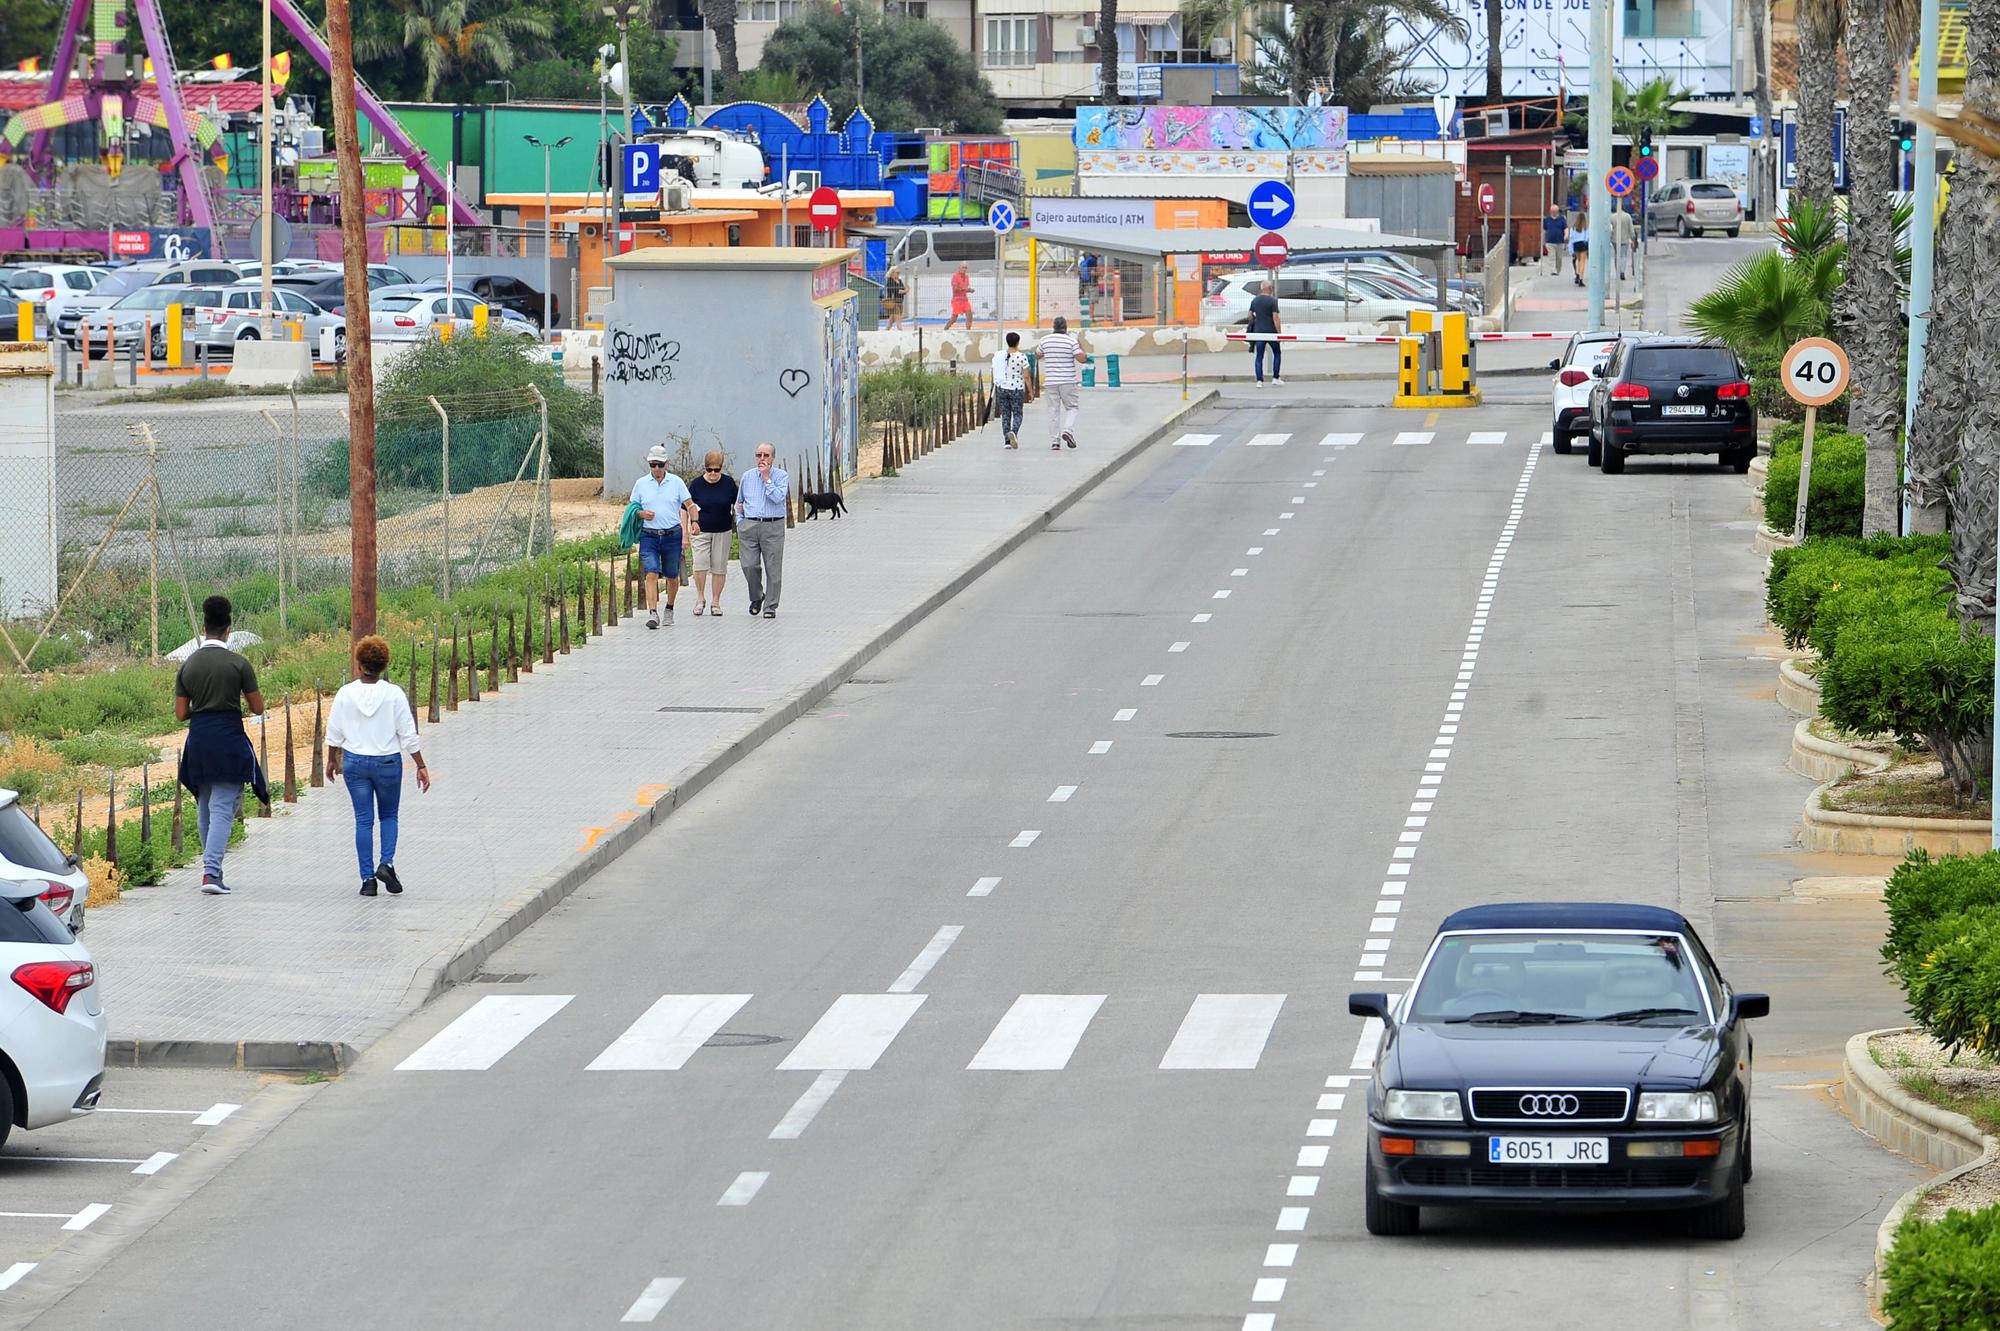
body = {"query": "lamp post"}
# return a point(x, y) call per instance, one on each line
point(548, 229)
point(263, 182)
point(622, 12)
point(508, 84)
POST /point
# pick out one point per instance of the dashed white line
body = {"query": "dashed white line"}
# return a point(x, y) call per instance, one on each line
point(1281, 1254)
point(1292, 1219)
point(1222, 595)
point(1195, 440)
point(984, 887)
point(214, 1114)
point(940, 943)
point(807, 1106)
point(654, 1301)
point(1025, 838)
point(88, 1216)
point(1180, 646)
point(1202, 618)
point(1272, 531)
point(1254, 550)
point(1270, 1289)
point(13, 1274)
point(744, 1188)
point(1124, 714)
point(1061, 794)
point(1101, 746)
point(1151, 681)
point(1239, 572)
point(1302, 1185)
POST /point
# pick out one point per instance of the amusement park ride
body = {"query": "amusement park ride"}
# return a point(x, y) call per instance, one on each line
point(121, 89)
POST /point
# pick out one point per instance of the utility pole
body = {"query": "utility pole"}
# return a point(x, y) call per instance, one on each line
point(360, 355)
point(548, 229)
point(622, 12)
point(263, 179)
point(1596, 197)
point(1923, 222)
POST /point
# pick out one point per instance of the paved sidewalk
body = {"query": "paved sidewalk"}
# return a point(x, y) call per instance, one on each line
point(542, 784)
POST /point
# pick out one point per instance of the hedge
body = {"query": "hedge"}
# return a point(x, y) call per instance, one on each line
point(1834, 508)
point(1945, 1275)
point(1925, 892)
point(1804, 576)
point(1916, 676)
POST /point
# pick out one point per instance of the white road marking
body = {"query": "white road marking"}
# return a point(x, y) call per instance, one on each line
point(484, 1033)
point(1180, 646)
point(1320, 1127)
point(1292, 1219)
point(1269, 1290)
point(1239, 572)
point(1382, 924)
point(214, 1114)
point(1361, 977)
point(853, 1032)
point(1038, 1034)
point(1298, 499)
point(1340, 441)
point(1320, 472)
point(1124, 714)
point(1101, 746)
point(1268, 440)
point(1224, 1031)
point(1061, 794)
point(1286, 517)
point(1222, 595)
point(1364, 1048)
point(34, 1215)
point(1195, 440)
point(744, 1188)
point(940, 943)
point(1202, 618)
point(654, 1301)
point(12, 1275)
point(1335, 1101)
point(1025, 838)
point(1312, 485)
point(92, 1159)
point(1281, 1254)
point(1254, 550)
point(1487, 437)
point(1272, 531)
point(1312, 1157)
point(1151, 681)
point(984, 887)
point(1260, 1322)
point(1413, 438)
point(1302, 1185)
point(807, 1106)
point(667, 1034)
point(156, 1162)
point(88, 1216)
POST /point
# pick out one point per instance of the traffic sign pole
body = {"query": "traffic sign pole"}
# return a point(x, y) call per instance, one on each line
point(1815, 372)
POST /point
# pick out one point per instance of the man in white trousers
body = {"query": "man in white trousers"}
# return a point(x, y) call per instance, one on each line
point(1061, 354)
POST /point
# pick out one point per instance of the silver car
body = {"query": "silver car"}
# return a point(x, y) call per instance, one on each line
point(1690, 207)
point(225, 316)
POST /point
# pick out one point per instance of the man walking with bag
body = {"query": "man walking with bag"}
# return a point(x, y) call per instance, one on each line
point(210, 691)
point(1061, 381)
point(760, 504)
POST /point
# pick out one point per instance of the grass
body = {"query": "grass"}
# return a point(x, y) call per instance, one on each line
point(217, 386)
point(1982, 1108)
point(1913, 789)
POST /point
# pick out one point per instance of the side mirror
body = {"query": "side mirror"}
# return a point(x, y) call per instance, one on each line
point(1601, 369)
point(1370, 1005)
point(1556, 364)
point(1749, 1005)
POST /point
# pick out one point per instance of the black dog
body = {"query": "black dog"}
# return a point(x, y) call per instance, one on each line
point(830, 502)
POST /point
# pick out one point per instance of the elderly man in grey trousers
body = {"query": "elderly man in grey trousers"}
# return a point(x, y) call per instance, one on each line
point(760, 531)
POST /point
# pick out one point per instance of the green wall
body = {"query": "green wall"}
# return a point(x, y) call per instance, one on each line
point(492, 139)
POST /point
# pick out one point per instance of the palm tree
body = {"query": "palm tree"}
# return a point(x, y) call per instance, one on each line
point(456, 39)
point(1495, 25)
point(1766, 303)
point(1820, 23)
point(1107, 49)
point(1346, 45)
point(1760, 15)
point(719, 16)
point(1869, 306)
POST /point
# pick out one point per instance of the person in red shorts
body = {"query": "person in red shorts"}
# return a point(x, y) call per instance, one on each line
point(961, 297)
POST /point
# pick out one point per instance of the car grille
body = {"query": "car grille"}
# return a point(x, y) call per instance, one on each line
point(1550, 1105)
point(1432, 1174)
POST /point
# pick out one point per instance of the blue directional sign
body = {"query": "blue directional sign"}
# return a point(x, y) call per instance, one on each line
point(1001, 217)
point(1272, 204)
point(1756, 127)
point(642, 168)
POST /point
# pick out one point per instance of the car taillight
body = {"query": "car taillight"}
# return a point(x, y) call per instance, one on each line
point(338, 312)
point(58, 897)
point(1738, 389)
point(1571, 378)
point(1630, 393)
point(55, 982)
point(1690, 207)
point(405, 321)
point(50, 294)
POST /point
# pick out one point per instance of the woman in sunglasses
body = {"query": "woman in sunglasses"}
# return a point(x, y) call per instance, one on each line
point(714, 494)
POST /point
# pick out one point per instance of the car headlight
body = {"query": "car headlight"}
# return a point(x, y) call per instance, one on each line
point(1422, 1106)
point(1677, 1107)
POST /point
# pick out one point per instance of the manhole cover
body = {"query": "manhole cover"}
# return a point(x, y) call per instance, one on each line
point(739, 1040)
point(505, 977)
point(1221, 734)
point(738, 711)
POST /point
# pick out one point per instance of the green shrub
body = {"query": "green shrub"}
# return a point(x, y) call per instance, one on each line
point(1945, 1275)
point(1802, 576)
point(1914, 676)
point(1878, 596)
point(1924, 893)
point(1834, 507)
point(907, 393)
point(1788, 437)
point(1954, 989)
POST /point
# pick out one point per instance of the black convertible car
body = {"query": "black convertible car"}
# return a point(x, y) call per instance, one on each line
point(1578, 1055)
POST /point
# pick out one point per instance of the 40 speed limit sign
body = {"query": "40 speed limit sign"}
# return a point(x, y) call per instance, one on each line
point(1815, 371)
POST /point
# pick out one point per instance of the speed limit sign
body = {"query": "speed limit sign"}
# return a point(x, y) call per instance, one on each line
point(1815, 371)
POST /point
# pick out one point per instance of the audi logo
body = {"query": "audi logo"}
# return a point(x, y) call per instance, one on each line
point(1551, 1106)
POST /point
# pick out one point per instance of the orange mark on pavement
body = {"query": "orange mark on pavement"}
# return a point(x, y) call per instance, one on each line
point(591, 839)
point(628, 815)
point(649, 795)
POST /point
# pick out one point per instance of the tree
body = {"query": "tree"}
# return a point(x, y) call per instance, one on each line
point(1820, 23)
point(460, 41)
point(1760, 15)
point(720, 16)
point(655, 78)
point(1107, 49)
point(916, 74)
point(1765, 303)
point(1345, 45)
point(1869, 305)
point(1495, 31)
point(1975, 468)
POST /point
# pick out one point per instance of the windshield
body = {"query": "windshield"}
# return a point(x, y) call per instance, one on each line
point(153, 298)
point(23, 845)
point(1712, 191)
point(119, 284)
point(1556, 977)
point(1670, 363)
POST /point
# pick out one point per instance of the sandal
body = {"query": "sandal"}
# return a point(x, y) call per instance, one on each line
point(697, 609)
point(715, 609)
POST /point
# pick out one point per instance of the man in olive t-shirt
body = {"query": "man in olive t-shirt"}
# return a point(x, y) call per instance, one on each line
point(210, 692)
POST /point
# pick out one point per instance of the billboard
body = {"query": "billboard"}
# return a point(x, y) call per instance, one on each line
point(1545, 45)
point(1206, 140)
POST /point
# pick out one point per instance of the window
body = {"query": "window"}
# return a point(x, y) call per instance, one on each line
point(767, 11)
point(77, 281)
point(1662, 18)
point(963, 244)
point(293, 303)
point(1010, 41)
point(1671, 363)
point(24, 844)
point(1712, 191)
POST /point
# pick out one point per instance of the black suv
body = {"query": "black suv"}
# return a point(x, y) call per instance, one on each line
point(1671, 395)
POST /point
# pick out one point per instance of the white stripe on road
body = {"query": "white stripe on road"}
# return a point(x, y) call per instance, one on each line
point(88, 1216)
point(666, 1036)
point(807, 1106)
point(1195, 440)
point(1224, 1031)
point(1292, 1219)
point(12, 1275)
point(1268, 440)
point(1487, 437)
point(1261, 1322)
point(1024, 838)
point(940, 943)
point(1269, 1290)
point(1038, 1034)
point(1364, 1048)
point(1101, 746)
point(853, 1032)
point(1413, 438)
point(1151, 681)
point(1178, 647)
point(156, 1162)
point(1124, 714)
point(984, 887)
point(1061, 794)
point(1340, 441)
point(654, 1301)
point(744, 1188)
point(484, 1033)
point(1281, 1254)
point(214, 1114)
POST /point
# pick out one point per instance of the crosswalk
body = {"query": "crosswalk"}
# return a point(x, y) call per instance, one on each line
point(1037, 1033)
point(1387, 438)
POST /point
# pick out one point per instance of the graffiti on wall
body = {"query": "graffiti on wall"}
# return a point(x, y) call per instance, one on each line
point(1211, 140)
point(840, 391)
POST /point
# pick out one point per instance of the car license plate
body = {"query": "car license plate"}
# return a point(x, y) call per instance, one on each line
point(1548, 1150)
point(1678, 410)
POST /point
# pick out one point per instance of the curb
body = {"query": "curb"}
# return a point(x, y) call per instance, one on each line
point(1825, 760)
point(1797, 690)
point(1769, 541)
point(1840, 832)
point(328, 1056)
point(697, 776)
point(1911, 1127)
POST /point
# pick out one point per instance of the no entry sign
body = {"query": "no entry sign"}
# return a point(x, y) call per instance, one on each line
point(824, 209)
point(1272, 251)
point(1485, 200)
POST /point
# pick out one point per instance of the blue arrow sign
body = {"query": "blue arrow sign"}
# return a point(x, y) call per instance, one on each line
point(1272, 204)
point(1001, 217)
point(642, 168)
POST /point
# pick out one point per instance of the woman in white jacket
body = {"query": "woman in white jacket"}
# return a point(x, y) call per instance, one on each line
point(368, 731)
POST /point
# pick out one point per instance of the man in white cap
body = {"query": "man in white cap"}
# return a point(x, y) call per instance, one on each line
point(666, 517)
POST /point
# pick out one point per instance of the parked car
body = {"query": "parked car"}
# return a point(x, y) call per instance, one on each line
point(51, 1016)
point(1305, 296)
point(135, 277)
point(225, 316)
point(1689, 207)
point(1671, 395)
point(28, 857)
point(328, 290)
point(1389, 284)
point(409, 316)
point(136, 320)
point(1575, 1055)
point(501, 290)
point(1574, 380)
point(1416, 270)
point(50, 287)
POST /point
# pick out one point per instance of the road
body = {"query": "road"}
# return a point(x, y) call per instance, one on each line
point(1007, 988)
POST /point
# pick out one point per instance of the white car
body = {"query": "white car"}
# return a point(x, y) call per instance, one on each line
point(51, 1016)
point(1575, 373)
point(1305, 296)
point(415, 315)
point(29, 859)
point(50, 287)
point(225, 316)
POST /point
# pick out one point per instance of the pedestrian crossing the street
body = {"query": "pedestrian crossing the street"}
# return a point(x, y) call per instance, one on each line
point(1037, 1033)
point(1441, 438)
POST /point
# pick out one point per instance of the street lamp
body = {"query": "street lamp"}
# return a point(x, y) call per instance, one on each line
point(548, 229)
point(508, 84)
point(622, 12)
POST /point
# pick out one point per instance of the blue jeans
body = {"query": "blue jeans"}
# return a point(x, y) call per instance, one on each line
point(375, 784)
point(1013, 404)
point(214, 818)
point(1257, 350)
point(660, 552)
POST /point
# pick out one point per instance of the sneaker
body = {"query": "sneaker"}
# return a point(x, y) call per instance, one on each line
point(652, 619)
point(1279, 382)
point(368, 887)
point(1260, 383)
point(1055, 448)
point(667, 617)
point(214, 887)
point(387, 873)
point(1069, 438)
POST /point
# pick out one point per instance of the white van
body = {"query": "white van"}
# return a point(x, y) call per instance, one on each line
point(944, 245)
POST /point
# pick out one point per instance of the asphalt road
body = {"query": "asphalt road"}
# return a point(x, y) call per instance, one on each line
point(1007, 989)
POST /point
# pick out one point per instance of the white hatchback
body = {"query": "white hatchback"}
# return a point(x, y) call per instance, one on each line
point(50, 287)
point(51, 1016)
point(1575, 372)
point(1305, 296)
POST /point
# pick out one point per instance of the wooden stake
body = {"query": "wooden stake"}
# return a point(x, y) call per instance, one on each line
point(562, 606)
point(434, 715)
point(493, 658)
point(111, 826)
point(611, 590)
point(145, 804)
point(413, 674)
point(264, 760)
point(76, 840)
point(471, 665)
point(451, 673)
point(582, 617)
point(548, 628)
point(528, 635)
point(319, 741)
point(596, 601)
point(513, 650)
point(178, 837)
point(291, 760)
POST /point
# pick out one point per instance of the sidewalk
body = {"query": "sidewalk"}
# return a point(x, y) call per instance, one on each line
point(541, 785)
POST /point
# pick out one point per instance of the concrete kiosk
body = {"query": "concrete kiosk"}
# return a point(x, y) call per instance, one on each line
point(726, 348)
